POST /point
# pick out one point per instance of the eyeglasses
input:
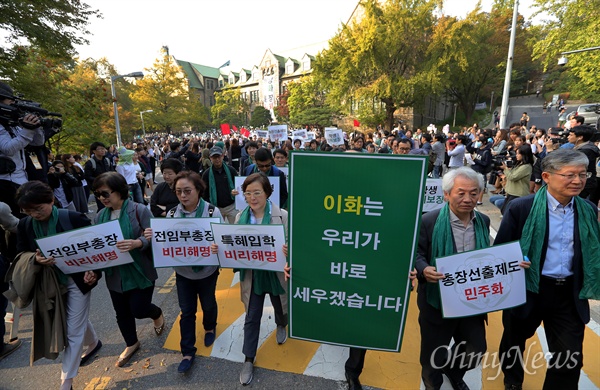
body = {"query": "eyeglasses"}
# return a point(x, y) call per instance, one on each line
point(404, 149)
point(256, 194)
point(572, 176)
point(104, 194)
point(36, 210)
point(185, 191)
point(263, 165)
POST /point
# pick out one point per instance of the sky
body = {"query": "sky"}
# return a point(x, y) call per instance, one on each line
point(132, 32)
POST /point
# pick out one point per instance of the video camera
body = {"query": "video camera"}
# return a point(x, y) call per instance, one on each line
point(14, 114)
point(562, 135)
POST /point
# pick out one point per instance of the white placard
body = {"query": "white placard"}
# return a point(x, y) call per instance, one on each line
point(334, 136)
point(278, 132)
point(433, 198)
point(262, 134)
point(250, 246)
point(240, 201)
point(482, 281)
point(286, 172)
point(311, 135)
point(88, 248)
point(301, 134)
point(182, 242)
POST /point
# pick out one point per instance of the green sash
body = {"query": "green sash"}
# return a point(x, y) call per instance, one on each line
point(212, 186)
point(532, 241)
point(132, 275)
point(263, 281)
point(443, 245)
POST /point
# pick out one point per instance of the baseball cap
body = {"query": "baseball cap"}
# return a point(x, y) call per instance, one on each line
point(215, 150)
point(6, 92)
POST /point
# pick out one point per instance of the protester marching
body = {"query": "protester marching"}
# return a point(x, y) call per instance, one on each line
point(283, 207)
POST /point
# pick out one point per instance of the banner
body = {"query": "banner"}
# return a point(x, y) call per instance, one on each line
point(225, 129)
point(88, 248)
point(482, 281)
point(352, 246)
point(250, 246)
point(262, 134)
point(278, 133)
point(240, 201)
point(301, 134)
point(334, 136)
point(179, 242)
point(433, 198)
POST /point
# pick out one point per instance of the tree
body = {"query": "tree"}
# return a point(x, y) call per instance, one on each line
point(307, 103)
point(164, 89)
point(230, 107)
point(572, 25)
point(261, 117)
point(54, 27)
point(383, 55)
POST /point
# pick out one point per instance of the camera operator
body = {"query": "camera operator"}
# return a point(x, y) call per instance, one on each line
point(517, 175)
point(13, 141)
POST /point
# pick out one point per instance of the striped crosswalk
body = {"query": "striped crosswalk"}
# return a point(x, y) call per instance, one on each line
point(382, 369)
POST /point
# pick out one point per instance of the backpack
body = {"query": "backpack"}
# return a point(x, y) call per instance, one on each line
point(92, 161)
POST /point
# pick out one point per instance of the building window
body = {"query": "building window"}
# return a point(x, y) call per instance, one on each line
point(255, 75)
point(210, 84)
point(290, 69)
point(211, 101)
point(221, 83)
point(253, 96)
point(231, 80)
point(244, 96)
point(267, 63)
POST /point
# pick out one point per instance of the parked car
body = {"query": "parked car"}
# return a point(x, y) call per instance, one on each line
point(589, 113)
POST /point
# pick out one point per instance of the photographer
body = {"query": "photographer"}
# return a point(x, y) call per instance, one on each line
point(13, 141)
point(517, 177)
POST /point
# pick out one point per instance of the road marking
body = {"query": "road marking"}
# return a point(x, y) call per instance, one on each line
point(168, 286)
point(98, 383)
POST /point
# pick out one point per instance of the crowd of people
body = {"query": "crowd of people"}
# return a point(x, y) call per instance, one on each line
point(546, 188)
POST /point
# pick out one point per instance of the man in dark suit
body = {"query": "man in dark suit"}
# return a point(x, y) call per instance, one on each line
point(455, 228)
point(551, 227)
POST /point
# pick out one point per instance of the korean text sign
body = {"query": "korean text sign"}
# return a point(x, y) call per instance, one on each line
point(178, 242)
point(482, 281)
point(250, 246)
point(85, 249)
point(433, 198)
point(278, 132)
point(352, 243)
point(240, 201)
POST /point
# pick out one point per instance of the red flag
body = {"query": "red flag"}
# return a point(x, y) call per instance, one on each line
point(225, 129)
point(245, 132)
point(356, 123)
point(235, 128)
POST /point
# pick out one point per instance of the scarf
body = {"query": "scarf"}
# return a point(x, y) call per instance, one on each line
point(199, 212)
point(38, 230)
point(212, 186)
point(132, 275)
point(532, 242)
point(443, 245)
point(263, 281)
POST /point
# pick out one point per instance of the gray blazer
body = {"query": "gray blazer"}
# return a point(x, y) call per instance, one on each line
point(139, 217)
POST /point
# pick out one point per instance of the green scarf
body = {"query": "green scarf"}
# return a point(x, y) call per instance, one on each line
point(212, 186)
point(443, 245)
point(38, 230)
point(199, 210)
point(532, 241)
point(132, 275)
point(263, 281)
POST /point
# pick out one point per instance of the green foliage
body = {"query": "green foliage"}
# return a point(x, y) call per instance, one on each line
point(53, 27)
point(164, 89)
point(230, 107)
point(382, 55)
point(307, 103)
point(572, 25)
point(261, 117)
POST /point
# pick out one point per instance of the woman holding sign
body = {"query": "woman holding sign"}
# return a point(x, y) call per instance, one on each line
point(255, 284)
point(130, 285)
point(196, 282)
point(36, 200)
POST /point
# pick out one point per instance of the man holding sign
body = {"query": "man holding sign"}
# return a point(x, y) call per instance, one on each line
point(455, 228)
point(558, 232)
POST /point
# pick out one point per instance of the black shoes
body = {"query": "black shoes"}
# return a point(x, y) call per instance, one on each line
point(457, 383)
point(8, 348)
point(185, 365)
point(85, 358)
point(353, 382)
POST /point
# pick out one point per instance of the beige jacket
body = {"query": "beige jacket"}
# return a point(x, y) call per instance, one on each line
point(278, 216)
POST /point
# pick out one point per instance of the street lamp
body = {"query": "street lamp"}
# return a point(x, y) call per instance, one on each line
point(137, 75)
point(454, 121)
point(509, 63)
point(562, 61)
point(142, 116)
point(527, 89)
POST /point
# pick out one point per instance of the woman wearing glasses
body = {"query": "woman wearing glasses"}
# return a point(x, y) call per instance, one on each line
point(130, 285)
point(197, 282)
point(254, 284)
point(36, 200)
